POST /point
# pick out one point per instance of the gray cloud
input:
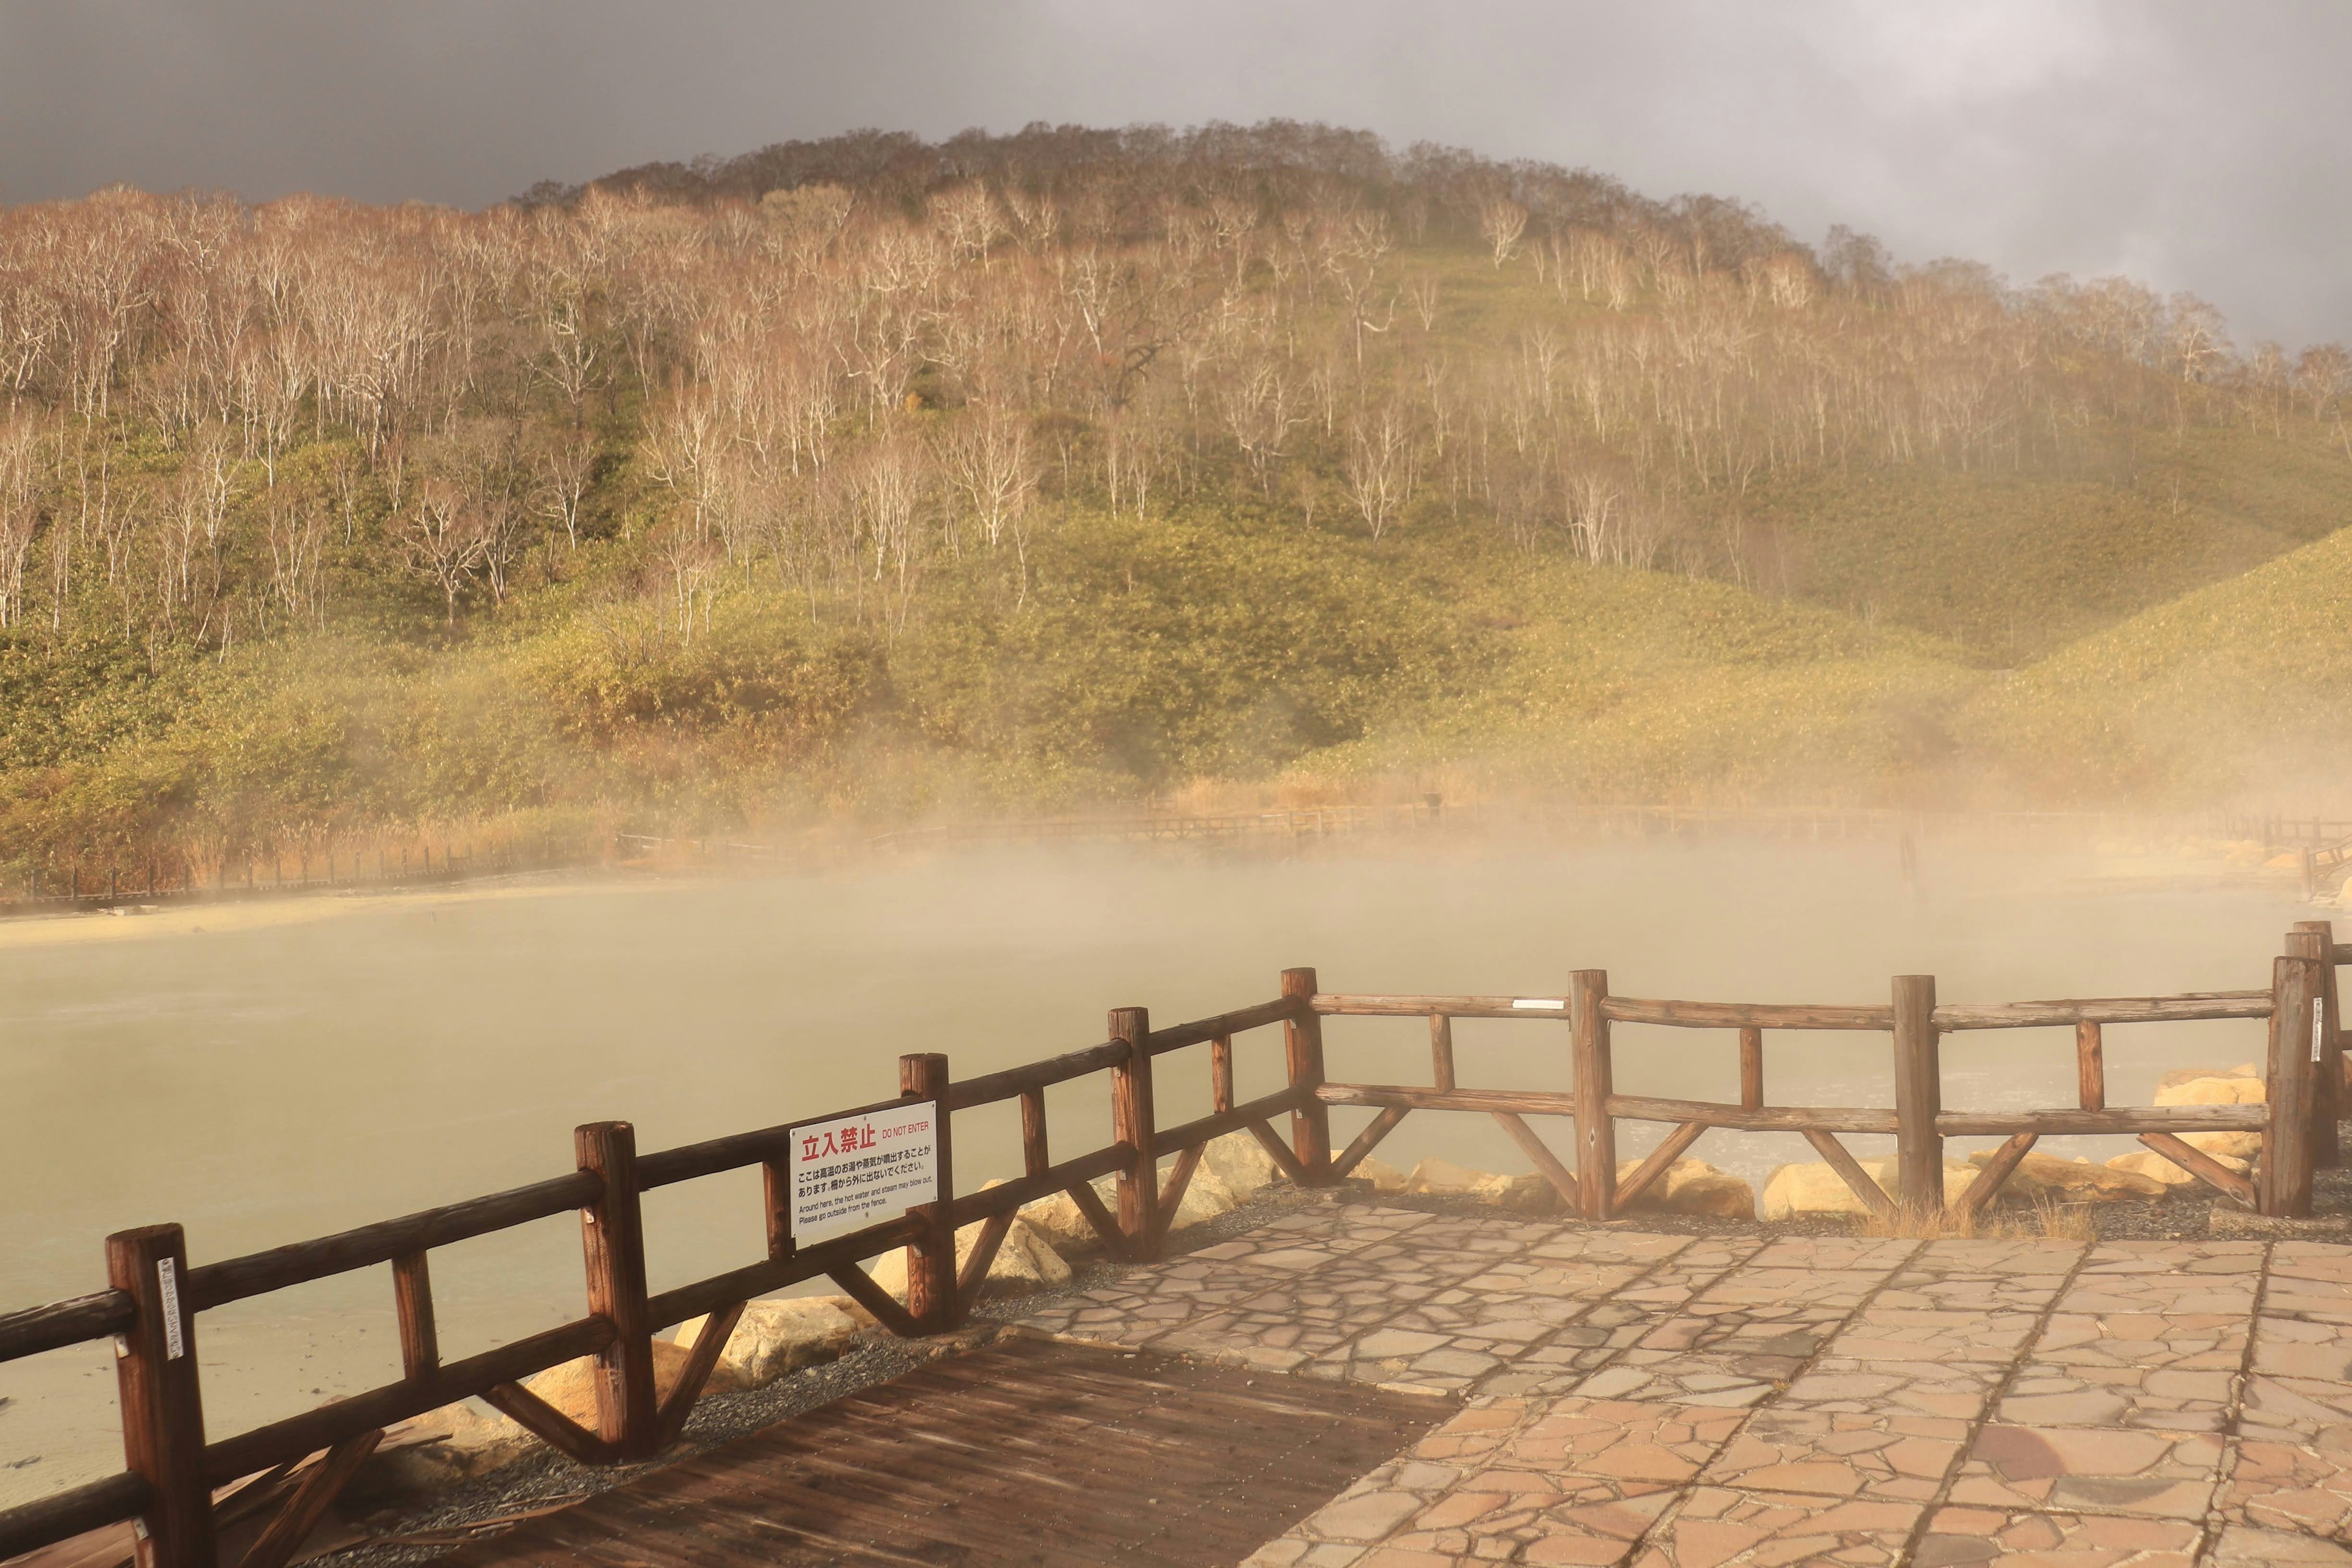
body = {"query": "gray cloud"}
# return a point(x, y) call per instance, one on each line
point(2194, 146)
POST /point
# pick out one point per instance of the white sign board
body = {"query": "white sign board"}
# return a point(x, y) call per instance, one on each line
point(854, 1170)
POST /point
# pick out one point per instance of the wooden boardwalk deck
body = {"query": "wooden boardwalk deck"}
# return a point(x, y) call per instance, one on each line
point(1025, 1453)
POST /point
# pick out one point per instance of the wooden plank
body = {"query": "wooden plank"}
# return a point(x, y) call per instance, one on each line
point(323, 1427)
point(1752, 1067)
point(2114, 1119)
point(1218, 1123)
point(420, 1338)
point(1055, 1456)
point(1596, 1129)
point(2204, 1167)
point(1367, 1141)
point(234, 1279)
point(1562, 1182)
point(1918, 1095)
point(1660, 1159)
point(1134, 1123)
point(63, 1515)
point(1851, 1172)
point(1178, 1178)
point(2090, 1065)
point(1278, 1151)
point(1745, 1014)
point(613, 1244)
point(1987, 1186)
point(1223, 1025)
point(2108, 1010)
point(157, 1391)
point(61, 1323)
point(989, 1087)
point(285, 1534)
point(545, 1421)
point(1441, 1050)
point(931, 1297)
point(1639, 1107)
point(709, 1345)
point(1302, 1047)
point(973, 1273)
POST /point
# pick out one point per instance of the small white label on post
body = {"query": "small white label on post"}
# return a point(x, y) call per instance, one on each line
point(167, 1288)
point(2318, 1026)
point(1539, 1005)
point(853, 1169)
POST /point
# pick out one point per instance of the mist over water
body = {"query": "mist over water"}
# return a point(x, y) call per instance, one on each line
point(264, 1080)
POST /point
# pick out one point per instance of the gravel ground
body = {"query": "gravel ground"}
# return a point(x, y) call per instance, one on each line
point(548, 1479)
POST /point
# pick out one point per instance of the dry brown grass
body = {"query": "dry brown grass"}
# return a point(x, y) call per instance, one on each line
point(2042, 1219)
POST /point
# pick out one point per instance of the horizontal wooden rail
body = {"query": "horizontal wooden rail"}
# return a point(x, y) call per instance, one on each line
point(63, 1515)
point(2118, 1118)
point(1009, 1195)
point(1442, 1007)
point(2111, 1010)
point(722, 1290)
point(259, 1273)
point(281, 1442)
point(1013, 1082)
point(1201, 1031)
point(1744, 1015)
point(689, 1161)
point(1754, 1118)
point(1193, 1134)
point(1632, 1106)
point(61, 1323)
point(1413, 1096)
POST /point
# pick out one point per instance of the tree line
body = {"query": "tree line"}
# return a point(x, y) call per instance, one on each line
point(832, 372)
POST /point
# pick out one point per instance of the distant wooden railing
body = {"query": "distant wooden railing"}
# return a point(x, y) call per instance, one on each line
point(2297, 1122)
point(173, 1466)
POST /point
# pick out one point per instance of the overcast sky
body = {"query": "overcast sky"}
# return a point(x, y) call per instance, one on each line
point(2190, 143)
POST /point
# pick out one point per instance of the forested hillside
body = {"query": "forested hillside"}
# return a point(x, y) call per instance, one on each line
point(876, 478)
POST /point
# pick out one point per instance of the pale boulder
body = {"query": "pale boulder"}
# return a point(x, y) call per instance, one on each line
point(1384, 1177)
point(1694, 1186)
point(773, 1338)
point(2240, 1088)
point(1816, 1189)
point(1531, 1194)
point(1024, 1261)
point(2236, 1145)
point(1444, 1177)
point(2074, 1181)
point(572, 1388)
point(1241, 1162)
point(444, 1448)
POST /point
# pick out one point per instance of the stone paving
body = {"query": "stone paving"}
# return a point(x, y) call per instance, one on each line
point(1696, 1402)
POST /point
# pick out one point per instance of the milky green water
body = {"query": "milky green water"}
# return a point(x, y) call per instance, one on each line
point(267, 1084)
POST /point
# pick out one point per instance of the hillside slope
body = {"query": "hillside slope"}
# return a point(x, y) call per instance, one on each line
point(2244, 687)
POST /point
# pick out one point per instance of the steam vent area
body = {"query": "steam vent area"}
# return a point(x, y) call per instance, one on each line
point(1242, 1338)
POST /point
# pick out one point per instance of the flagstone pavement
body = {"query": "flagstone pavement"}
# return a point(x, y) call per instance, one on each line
point(1691, 1402)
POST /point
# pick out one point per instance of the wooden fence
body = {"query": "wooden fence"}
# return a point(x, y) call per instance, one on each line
point(173, 1466)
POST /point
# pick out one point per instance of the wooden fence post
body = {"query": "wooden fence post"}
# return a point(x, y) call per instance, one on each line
point(2286, 1142)
point(1133, 1124)
point(1918, 1097)
point(1596, 1129)
point(931, 1297)
point(613, 1242)
point(2327, 1093)
point(163, 1405)
point(1302, 1045)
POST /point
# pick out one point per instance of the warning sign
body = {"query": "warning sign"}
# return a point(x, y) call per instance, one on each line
point(858, 1169)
